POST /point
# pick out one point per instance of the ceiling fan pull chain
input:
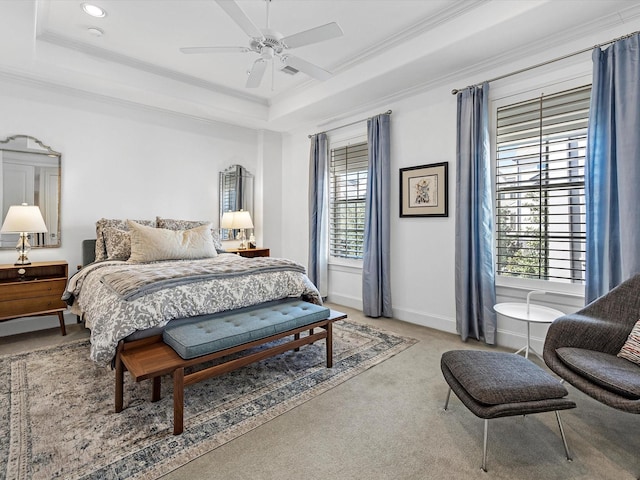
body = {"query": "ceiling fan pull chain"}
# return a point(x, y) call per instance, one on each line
point(268, 4)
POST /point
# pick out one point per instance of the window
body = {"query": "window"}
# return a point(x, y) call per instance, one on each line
point(347, 193)
point(540, 207)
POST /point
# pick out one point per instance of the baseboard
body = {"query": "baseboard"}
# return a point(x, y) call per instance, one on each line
point(347, 301)
point(437, 322)
point(506, 337)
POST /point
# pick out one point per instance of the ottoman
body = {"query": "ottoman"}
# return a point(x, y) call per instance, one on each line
point(497, 384)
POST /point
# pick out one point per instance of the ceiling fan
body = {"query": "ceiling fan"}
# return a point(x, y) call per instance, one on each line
point(271, 44)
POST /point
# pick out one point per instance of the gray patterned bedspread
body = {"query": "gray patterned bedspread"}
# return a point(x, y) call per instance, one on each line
point(112, 318)
point(130, 283)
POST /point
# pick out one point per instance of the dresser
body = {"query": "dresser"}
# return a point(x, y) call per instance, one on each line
point(33, 290)
point(250, 252)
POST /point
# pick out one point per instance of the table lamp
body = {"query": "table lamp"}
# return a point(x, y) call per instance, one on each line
point(227, 220)
point(242, 220)
point(23, 219)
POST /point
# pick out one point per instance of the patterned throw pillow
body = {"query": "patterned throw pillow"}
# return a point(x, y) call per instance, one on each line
point(631, 348)
point(117, 243)
point(101, 251)
point(173, 224)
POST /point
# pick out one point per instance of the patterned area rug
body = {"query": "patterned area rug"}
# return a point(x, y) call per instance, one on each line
point(57, 407)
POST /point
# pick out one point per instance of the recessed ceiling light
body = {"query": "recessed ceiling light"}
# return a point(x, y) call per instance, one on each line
point(96, 32)
point(93, 10)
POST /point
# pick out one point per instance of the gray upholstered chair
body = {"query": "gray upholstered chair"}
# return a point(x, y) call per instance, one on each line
point(582, 347)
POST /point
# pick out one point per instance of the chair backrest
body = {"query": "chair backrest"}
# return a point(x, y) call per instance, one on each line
point(621, 304)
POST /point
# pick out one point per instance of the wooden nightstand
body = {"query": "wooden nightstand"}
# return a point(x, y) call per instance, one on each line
point(35, 292)
point(250, 252)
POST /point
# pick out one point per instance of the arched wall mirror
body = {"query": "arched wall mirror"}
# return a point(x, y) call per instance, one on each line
point(236, 193)
point(30, 173)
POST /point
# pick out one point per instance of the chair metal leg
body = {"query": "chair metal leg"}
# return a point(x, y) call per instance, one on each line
point(484, 445)
point(564, 439)
point(446, 403)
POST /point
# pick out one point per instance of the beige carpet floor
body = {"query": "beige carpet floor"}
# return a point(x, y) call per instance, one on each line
point(388, 423)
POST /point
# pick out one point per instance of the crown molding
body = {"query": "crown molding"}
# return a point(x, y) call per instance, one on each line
point(597, 27)
point(66, 42)
point(19, 78)
point(451, 11)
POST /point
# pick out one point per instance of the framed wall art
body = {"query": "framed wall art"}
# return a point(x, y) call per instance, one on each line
point(424, 191)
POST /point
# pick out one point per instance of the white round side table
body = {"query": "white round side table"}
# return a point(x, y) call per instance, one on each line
point(530, 313)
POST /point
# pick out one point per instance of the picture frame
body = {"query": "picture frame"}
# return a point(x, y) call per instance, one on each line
point(424, 190)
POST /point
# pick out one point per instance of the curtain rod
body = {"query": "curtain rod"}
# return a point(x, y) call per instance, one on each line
point(388, 112)
point(455, 90)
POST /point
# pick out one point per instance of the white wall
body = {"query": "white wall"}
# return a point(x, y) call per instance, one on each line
point(124, 162)
point(422, 132)
point(422, 262)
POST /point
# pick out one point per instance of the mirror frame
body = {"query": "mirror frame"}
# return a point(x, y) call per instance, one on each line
point(235, 177)
point(8, 144)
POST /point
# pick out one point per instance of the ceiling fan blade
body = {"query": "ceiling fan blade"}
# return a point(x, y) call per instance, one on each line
point(237, 15)
point(189, 50)
point(313, 35)
point(256, 74)
point(306, 67)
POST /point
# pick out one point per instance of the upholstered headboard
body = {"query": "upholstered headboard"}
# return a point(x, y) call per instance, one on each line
point(88, 251)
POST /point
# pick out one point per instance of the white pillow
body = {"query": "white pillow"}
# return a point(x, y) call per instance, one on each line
point(150, 244)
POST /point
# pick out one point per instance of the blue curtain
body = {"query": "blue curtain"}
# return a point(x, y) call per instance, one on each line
point(376, 278)
point(318, 212)
point(474, 275)
point(612, 171)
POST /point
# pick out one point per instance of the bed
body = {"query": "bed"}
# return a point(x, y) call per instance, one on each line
point(148, 273)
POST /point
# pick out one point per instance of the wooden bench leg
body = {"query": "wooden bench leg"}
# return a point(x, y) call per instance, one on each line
point(155, 391)
point(329, 341)
point(119, 380)
point(178, 400)
point(296, 336)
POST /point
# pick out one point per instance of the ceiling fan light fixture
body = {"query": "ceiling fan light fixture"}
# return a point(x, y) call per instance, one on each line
point(267, 53)
point(94, 10)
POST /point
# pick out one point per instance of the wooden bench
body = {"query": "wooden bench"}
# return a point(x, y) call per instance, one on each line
point(151, 357)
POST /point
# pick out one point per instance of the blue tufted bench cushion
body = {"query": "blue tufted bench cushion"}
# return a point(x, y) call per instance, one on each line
point(212, 333)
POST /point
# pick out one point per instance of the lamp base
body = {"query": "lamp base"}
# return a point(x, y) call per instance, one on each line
point(243, 240)
point(23, 249)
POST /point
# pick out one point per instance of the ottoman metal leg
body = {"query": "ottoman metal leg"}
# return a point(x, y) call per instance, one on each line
point(446, 403)
point(564, 439)
point(484, 445)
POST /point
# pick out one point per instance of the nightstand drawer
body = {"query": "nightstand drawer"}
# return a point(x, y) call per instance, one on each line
point(32, 289)
point(26, 306)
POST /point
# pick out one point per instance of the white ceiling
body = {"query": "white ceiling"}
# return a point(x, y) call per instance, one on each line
point(389, 48)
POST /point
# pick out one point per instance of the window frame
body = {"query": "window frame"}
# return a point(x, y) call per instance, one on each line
point(510, 94)
point(341, 139)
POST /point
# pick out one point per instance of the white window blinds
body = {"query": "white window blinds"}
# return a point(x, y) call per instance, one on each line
point(347, 191)
point(540, 207)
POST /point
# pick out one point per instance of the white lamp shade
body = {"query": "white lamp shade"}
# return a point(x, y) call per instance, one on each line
point(227, 220)
point(23, 218)
point(242, 219)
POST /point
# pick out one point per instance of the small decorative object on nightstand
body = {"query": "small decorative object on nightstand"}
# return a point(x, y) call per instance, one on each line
point(33, 290)
point(250, 252)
